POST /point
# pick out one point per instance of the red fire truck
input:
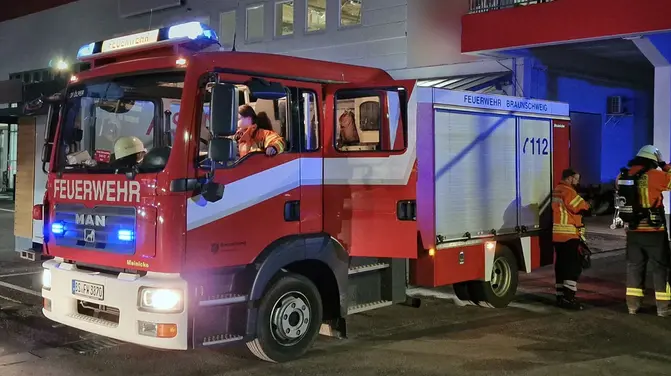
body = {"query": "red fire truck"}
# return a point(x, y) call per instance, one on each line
point(195, 247)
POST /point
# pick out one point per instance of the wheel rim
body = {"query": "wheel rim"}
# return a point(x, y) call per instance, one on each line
point(501, 277)
point(290, 318)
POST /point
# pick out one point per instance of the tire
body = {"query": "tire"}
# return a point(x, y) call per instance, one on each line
point(500, 291)
point(286, 306)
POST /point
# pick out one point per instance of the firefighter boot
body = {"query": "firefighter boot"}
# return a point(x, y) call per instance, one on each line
point(569, 301)
point(663, 309)
point(633, 304)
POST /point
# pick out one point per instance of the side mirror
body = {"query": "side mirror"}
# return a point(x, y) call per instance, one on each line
point(224, 110)
point(212, 192)
point(222, 150)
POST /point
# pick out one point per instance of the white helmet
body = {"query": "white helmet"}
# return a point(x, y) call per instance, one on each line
point(126, 146)
point(650, 152)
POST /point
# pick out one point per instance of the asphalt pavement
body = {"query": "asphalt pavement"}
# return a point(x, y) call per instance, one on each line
point(442, 337)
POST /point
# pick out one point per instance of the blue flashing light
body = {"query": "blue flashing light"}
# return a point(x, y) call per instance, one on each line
point(125, 235)
point(192, 30)
point(86, 50)
point(57, 228)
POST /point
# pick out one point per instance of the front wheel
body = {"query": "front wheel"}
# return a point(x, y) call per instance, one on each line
point(502, 287)
point(289, 318)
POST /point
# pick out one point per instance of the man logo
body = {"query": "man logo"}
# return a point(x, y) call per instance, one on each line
point(89, 235)
point(90, 220)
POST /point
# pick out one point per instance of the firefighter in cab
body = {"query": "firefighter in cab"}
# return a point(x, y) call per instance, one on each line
point(639, 188)
point(128, 151)
point(567, 227)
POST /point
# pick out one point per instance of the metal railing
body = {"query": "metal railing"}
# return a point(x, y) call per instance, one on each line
point(481, 6)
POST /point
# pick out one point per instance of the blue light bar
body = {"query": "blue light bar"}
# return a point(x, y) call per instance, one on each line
point(57, 228)
point(86, 50)
point(191, 30)
point(186, 32)
point(125, 235)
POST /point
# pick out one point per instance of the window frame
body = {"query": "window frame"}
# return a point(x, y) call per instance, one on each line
point(236, 163)
point(307, 25)
point(303, 139)
point(344, 27)
point(276, 20)
point(403, 116)
point(263, 28)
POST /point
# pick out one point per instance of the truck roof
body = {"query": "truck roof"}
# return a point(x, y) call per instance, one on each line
point(297, 66)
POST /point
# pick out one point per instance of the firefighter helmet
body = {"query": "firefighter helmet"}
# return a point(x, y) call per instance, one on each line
point(126, 146)
point(650, 152)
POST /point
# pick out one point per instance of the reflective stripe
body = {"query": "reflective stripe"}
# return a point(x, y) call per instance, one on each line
point(645, 199)
point(625, 182)
point(571, 285)
point(576, 201)
point(564, 229)
point(563, 215)
point(662, 295)
point(631, 291)
point(643, 191)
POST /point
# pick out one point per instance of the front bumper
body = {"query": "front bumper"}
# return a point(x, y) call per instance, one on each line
point(120, 292)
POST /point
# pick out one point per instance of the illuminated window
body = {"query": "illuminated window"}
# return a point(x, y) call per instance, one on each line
point(284, 18)
point(350, 12)
point(227, 28)
point(255, 22)
point(316, 15)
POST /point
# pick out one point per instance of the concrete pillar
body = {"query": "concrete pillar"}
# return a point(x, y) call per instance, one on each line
point(657, 49)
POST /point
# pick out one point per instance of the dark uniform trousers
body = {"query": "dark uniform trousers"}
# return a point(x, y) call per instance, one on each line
point(568, 267)
point(644, 247)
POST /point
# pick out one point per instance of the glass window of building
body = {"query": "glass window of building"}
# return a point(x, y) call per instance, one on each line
point(255, 20)
point(227, 28)
point(284, 18)
point(350, 12)
point(315, 15)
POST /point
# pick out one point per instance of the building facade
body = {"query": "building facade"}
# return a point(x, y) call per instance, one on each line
point(411, 39)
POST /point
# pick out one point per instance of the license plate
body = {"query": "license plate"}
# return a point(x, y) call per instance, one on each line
point(89, 290)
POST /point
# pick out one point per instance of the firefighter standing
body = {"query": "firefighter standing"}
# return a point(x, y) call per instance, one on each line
point(646, 236)
point(567, 227)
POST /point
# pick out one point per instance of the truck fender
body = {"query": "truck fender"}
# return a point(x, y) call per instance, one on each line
point(285, 251)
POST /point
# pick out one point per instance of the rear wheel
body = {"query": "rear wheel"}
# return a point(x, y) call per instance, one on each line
point(289, 318)
point(501, 289)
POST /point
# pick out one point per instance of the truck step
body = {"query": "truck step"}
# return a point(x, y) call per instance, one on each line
point(221, 339)
point(222, 299)
point(367, 268)
point(368, 306)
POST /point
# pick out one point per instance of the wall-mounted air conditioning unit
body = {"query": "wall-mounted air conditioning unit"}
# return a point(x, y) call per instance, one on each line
point(615, 105)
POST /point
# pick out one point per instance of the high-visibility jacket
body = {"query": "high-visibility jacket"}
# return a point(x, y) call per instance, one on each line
point(650, 188)
point(252, 139)
point(566, 222)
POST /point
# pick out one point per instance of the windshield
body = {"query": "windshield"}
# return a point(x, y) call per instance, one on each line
point(119, 124)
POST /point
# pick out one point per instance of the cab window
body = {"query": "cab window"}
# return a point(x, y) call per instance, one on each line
point(369, 120)
point(271, 114)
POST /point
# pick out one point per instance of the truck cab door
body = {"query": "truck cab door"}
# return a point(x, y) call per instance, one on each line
point(259, 203)
point(369, 169)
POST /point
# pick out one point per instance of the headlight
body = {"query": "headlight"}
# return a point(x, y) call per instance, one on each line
point(46, 279)
point(161, 300)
